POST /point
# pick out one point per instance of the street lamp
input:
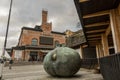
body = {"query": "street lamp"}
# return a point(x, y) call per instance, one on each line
point(4, 48)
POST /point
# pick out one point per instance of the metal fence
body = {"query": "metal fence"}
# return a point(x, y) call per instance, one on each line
point(90, 63)
point(110, 67)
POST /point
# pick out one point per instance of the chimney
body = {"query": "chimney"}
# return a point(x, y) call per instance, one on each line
point(44, 16)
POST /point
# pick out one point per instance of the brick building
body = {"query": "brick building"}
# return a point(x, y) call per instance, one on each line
point(35, 43)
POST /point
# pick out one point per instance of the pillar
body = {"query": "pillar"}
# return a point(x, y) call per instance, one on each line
point(101, 53)
point(105, 44)
point(97, 51)
point(115, 24)
point(81, 52)
point(27, 55)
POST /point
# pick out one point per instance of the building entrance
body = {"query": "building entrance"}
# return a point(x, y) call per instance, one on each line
point(33, 56)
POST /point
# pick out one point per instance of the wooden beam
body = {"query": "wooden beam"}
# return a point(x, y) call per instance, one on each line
point(84, 46)
point(105, 44)
point(81, 1)
point(107, 32)
point(97, 24)
point(97, 35)
point(94, 39)
point(94, 31)
point(94, 42)
point(97, 14)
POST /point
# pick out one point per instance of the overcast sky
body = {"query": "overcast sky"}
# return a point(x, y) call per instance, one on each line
point(62, 13)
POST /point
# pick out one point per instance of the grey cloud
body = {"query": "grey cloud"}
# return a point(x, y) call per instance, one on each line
point(28, 13)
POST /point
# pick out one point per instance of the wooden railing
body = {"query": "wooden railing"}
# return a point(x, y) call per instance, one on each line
point(90, 63)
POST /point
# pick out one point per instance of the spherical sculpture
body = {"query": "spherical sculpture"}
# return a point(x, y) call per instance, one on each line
point(62, 62)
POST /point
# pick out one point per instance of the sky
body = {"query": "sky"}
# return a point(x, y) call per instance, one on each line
point(62, 14)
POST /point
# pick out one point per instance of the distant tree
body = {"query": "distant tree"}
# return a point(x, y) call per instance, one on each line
point(78, 25)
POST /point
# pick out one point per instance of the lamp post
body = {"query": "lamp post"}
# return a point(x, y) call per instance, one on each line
point(3, 54)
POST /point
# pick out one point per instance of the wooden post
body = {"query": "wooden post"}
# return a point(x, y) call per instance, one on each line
point(119, 9)
point(115, 22)
point(101, 50)
point(81, 52)
point(98, 55)
point(97, 51)
point(27, 55)
point(23, 55)
point(105, 44)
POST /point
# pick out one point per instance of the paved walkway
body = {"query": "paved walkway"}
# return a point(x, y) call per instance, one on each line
point(36, 72)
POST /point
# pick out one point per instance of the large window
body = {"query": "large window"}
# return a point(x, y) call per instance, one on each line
point(46, 40)
point(34, 42)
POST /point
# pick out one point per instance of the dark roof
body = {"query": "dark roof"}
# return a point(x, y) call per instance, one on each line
point(8, 49)
point(39, 47)
point(94, 6)
point(19, 47)
point(57, 33)
point(96, 19)
point(33, 29)
point(38, 27)
point(32, 47)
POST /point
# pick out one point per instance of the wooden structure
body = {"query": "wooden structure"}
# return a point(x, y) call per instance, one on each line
point(100, 21)
point(74, 39)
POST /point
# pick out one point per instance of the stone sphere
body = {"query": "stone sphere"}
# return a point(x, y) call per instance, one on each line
point(62, 62)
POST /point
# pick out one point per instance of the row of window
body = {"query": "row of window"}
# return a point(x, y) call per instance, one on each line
point(35, 43)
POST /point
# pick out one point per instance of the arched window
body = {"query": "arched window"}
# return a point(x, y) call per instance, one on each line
point(34, 42)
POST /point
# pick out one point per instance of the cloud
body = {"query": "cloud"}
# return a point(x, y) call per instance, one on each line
point(62, 13)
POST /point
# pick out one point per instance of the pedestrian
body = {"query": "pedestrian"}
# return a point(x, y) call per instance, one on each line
point(10, 63)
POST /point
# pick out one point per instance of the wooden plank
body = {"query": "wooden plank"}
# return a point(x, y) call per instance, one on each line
point(97, 24)
point(94, 31)
point(97, 14)
point(81, 1)
point(96, 35)
point(105, 44)
point(94, 39)
point(94, 42)
point(119, 9)
point(107, 32)
point(98, 38)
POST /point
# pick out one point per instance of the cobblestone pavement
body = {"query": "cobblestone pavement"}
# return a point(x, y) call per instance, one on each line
point(36, 72)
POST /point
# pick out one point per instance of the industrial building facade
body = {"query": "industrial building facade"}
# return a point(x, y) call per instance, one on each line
point(35, 43)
